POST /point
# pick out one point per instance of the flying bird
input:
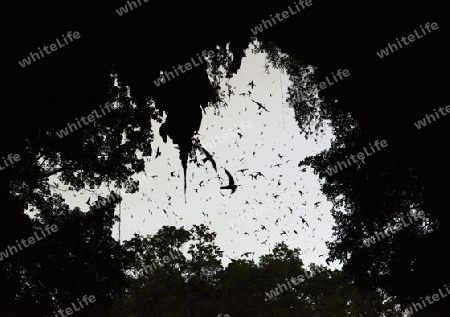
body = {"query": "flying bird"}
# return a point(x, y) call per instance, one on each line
point(243, 170)
point(251, 84)
point(247, 253)
point(232, 260)
point(259, 174)
point(231, 185)
point(158, 153)
point(304, 221)
point(260, 105)
point(209, 158)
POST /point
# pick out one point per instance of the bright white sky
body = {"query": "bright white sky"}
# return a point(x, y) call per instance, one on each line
point(271, 134)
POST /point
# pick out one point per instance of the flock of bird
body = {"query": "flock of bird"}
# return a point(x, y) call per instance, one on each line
point(285, 211)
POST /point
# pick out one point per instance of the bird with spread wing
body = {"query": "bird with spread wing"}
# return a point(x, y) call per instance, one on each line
point(209, 158)
point(231, 185)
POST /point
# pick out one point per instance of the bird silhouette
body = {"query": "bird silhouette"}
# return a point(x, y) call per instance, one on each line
point(260, 105)
point(232, 260)
point(247, 253)
point(231, 185)
point(243, 170)
point(259, 174)
point(158, 153)
point(251, 84)
point(209, 158)
point(304, 221)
